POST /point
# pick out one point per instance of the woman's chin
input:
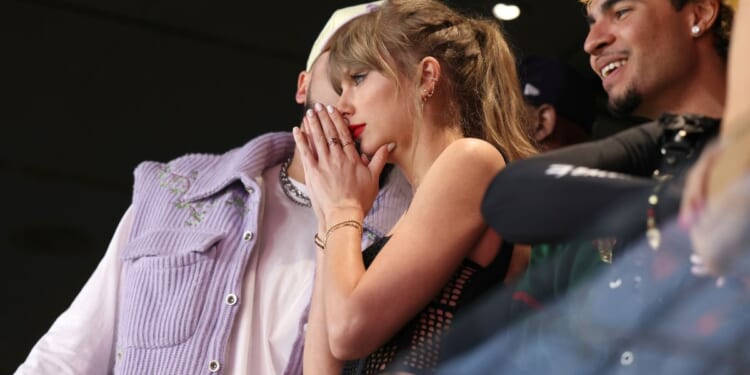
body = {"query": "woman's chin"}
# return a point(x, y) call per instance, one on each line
point(365, 149)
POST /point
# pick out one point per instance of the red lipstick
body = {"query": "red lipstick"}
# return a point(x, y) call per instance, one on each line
point(356, 130)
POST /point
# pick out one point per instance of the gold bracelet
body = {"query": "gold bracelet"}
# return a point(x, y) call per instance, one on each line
point(345, 223)
point(319, 242)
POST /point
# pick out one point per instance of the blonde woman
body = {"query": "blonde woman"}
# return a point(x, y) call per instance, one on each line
point(436, 94)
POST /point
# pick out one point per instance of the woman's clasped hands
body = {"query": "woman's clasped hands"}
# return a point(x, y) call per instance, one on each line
point(343, 183)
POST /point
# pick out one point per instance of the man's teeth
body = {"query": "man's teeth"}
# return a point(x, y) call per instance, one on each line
point(609, 68)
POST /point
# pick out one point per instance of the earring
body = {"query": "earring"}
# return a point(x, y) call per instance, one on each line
point(426, 95)
point(695, 30)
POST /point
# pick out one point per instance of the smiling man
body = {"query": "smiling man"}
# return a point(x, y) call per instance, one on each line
point(663, 60)
point(656, 56)
point(657, 59)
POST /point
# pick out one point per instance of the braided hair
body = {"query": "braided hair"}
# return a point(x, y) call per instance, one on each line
point(478, 67)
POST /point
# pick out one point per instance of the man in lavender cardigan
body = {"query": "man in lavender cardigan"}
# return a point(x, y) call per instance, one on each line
point(211, 268)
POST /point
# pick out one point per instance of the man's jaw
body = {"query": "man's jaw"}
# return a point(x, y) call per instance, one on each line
point(627, 103)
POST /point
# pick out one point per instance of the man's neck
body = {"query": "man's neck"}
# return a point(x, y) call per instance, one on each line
point(703, 93)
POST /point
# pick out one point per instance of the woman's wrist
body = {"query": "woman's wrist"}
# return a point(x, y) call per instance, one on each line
point(343, 213)
point(338, 218)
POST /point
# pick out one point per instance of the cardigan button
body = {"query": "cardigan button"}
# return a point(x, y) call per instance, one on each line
point(214, 366)
point(231, 299)
point(248, 236)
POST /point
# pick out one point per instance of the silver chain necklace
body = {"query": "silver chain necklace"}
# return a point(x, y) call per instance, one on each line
point(290, 191)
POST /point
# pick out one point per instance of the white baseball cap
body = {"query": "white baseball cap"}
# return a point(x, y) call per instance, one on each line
point(338, 18)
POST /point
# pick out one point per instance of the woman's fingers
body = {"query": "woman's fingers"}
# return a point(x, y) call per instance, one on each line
point(317, 133)
point(339, 139)
point(342, 129)
point(308, 137)
point(332, 138)
point(378, 160)
point(303, 147)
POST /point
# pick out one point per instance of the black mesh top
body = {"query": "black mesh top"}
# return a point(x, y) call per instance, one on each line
point(416, 347)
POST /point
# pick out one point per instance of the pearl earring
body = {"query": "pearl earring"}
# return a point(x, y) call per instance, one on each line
point(695, 30)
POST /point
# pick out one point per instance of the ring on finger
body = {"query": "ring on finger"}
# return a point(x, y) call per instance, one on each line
point(334, 141)
point(347, 143)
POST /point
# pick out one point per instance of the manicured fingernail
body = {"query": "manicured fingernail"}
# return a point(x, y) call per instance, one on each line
point(310, 113)
point(329, 108)
point(318, 107)
point(391, 146)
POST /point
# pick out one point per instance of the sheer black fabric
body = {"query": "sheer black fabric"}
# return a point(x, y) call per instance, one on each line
point(416, 347)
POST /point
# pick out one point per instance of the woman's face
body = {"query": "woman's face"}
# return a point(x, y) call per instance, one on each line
point(377, 112)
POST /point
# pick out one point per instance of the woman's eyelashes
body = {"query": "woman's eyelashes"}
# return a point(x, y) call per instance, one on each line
point(350, 81)
point(358, 78)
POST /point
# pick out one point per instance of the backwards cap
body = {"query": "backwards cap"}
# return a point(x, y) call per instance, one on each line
point(338, 18)
point(547, 80)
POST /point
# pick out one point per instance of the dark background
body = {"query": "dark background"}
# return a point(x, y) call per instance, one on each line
point(91, 88)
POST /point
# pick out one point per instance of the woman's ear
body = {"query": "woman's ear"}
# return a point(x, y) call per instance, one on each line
point(430, 72)
point(429, 76)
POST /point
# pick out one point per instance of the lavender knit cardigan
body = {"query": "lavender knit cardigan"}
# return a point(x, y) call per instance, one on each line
point(197, 220)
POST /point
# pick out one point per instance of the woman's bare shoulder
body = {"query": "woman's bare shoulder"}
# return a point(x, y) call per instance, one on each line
point(471, 155)
point(464, 169)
